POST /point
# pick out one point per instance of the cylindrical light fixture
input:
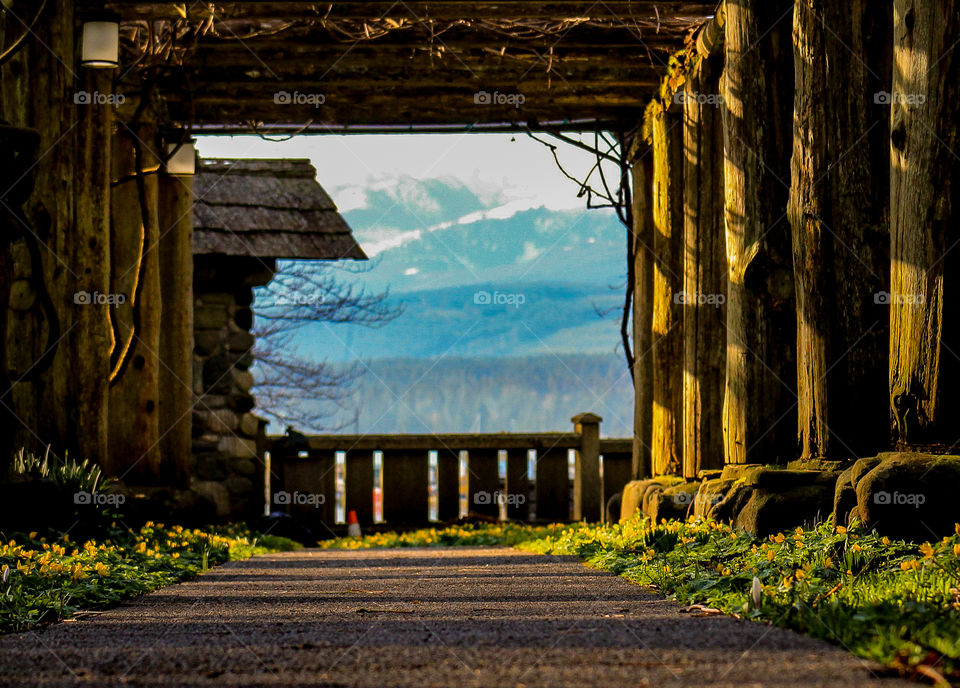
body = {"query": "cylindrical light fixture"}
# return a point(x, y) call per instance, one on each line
point(100, 42)
point(182, 161)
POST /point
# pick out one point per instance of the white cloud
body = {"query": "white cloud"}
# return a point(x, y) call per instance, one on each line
point(411, 271)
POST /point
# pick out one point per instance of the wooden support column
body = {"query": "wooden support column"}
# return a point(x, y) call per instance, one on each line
point(704, 270)
point(587, 487)
point(89, 337)
point(667, 416)
point(134, 416)
point(405, 487)
point(838, 215)
point(759, 413)
point(483, 482)
point(925, 223)
point(176, 339)
point(643, 232)
point(553, 486)
point(448, 485)
point(518, 486)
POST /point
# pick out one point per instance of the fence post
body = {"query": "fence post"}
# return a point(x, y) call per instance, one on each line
point(587, 488)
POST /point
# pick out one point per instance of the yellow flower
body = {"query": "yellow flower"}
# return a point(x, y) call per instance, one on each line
point(77, 572)
point(770, 554)
point(912, 564)
point(779, 538)
point(800, 574)
point(841, 530)
point(926, 549)
point(857, 548)
point(885, 541)
point(828, 563)
point(102, 569)
point(956, 550)
point(32, 535)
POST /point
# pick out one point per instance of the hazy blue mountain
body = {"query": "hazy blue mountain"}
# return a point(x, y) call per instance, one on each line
point(511, 313)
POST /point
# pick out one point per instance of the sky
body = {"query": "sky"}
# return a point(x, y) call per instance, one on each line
point(513, 171)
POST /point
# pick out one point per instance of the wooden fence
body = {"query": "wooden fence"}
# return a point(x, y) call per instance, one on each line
point(456, 472)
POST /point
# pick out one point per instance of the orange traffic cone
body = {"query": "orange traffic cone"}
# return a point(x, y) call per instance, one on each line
point(353, 525)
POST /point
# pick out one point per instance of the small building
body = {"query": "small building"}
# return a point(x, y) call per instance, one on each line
point(247, 214)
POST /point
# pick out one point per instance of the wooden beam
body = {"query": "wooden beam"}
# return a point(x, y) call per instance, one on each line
point(643, 239)
point(840, 244)
point(666, 446)
point(704, 270)
point(759, 412)
point(924, 221)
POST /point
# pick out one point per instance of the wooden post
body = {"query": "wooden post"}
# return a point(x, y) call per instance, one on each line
point(667, 209)
point(643, 233)
point(759, 413)
point(924, 220)
point(176, 339)
point(704, 270)
point(448, 484)
point(309, 490)
point(517, 489)
point(838, 215)
point(87, 344)
point(587, 487)
point(134, 417)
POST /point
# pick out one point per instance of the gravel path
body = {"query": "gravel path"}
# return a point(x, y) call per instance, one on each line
point(488, 617)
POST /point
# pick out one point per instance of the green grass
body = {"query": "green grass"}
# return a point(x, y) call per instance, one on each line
point(891, 602)
point(47, 580)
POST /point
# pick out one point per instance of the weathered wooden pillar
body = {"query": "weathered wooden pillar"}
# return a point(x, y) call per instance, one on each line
point(405, 487)
point(838, 215)
point(134, 417)
point(176, 338)
point(448, 484)
point(88, 333)
point(759, 413)
point(587, 487)
point(667, 416)
point(38, 84)
point(704, 269)
point(518, 486)
point(553, 485)
point(925, 222)
point(643, 232)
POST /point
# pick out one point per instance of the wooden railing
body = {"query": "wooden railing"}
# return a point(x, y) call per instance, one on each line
point(457, 473)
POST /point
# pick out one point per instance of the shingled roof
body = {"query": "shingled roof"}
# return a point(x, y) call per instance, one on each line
point(267, 209)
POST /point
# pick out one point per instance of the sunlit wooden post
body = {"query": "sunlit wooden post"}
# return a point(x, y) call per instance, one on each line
point(924, 217)
point(587, 487)
point(642, 170)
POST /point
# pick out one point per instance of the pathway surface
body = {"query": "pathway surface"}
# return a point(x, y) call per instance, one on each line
point(416, 617)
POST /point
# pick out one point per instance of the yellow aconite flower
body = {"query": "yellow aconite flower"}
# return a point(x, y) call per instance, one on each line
point(912, 564)
point(828, 563)
point(956, 550)
point(101, 569)
point(770, 554)
point(32, 535)
point(841, 530)
point(857, 548)
point(779, 538)
point(800, 574)
point(77, 572)
point(885, 541)
point(926, 549)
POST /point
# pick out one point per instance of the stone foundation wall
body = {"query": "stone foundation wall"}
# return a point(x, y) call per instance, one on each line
point(226, 463)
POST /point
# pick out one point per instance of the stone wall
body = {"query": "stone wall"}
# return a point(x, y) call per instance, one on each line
point(226, 462)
